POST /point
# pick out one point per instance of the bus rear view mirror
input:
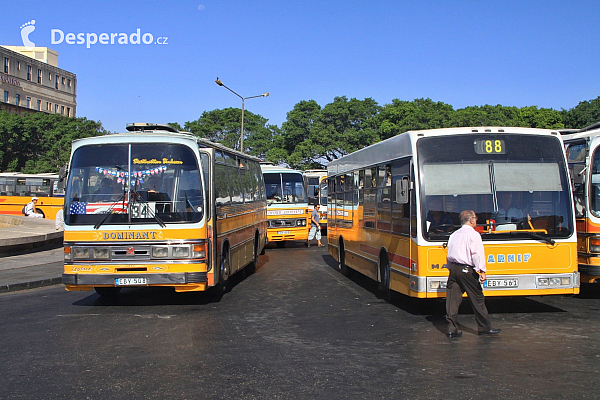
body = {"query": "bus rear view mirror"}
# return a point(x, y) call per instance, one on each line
point(62, 174)
point(402, 190)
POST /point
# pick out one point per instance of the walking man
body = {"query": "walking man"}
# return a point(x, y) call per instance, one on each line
point(315, 227)
point(466, 262)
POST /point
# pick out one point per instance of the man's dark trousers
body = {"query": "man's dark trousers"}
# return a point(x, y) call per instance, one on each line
point(464, 278)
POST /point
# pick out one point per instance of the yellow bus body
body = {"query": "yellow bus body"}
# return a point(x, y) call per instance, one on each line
point(13, 205)
point(387, 238)
point(211, 197)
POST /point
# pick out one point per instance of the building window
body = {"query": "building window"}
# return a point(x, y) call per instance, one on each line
point(50, 76)
point(29, 72)
point(68, 111)
point(17, 99)
point(48, 106)
point(39, 76)
point(55, 81)
point(5, 96)
point(39, 105)
point(56, 109)
point(6, 65)
point(62, 110)
point(29, 102)
point(63, 81)
point(68, 82)
point(18, 65)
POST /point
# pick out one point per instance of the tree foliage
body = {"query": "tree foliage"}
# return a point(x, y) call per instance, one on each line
point(584, 114)
point(39, 142)
point(224, 125)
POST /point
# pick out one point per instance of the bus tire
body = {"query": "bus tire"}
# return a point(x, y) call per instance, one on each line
point(252, 266)
point(41, 212)
point(107, 291)
point(342, 259)
point(384, 275)
point(224, 271)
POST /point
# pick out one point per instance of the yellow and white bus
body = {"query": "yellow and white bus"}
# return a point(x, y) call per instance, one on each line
point(287, 206)
point(583, 154)
point(394, 204)
point(156, 207)
point(17, 189)
point(316, 186)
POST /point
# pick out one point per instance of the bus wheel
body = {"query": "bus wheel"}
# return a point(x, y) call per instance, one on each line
point(384, 275)
point(224, 271)
point(342, 259)
point(280, 244)
point(252, 266)
point(107, 291)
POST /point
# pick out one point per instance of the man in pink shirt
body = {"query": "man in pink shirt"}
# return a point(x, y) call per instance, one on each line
point(466, 262)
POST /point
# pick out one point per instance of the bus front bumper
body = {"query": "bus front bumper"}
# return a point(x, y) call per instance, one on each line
point(168, 279)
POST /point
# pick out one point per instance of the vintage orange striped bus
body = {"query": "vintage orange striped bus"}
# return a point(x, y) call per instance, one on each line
point(583, 155)
point(393, 205)
point(17, 189)
point(287, 207)
point(157, 207)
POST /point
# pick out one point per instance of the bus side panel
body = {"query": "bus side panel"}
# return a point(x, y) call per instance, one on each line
point(588, 256)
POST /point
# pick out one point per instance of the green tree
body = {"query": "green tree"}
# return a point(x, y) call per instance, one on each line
point(584, 114)
point(401, 116)
point(313, 136)
point(40, 142)
point(223, 126)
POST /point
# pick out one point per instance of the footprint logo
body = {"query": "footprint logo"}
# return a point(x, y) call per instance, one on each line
point(26, 29)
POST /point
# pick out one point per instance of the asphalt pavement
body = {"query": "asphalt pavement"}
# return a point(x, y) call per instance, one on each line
point(31, 253)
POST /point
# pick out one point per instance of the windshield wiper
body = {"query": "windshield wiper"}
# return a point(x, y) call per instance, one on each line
point(109, 211)
point(532, 234)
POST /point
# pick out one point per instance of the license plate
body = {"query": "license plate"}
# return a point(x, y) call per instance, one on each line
point(283, 232)
point(131, 281)
point(501, 283)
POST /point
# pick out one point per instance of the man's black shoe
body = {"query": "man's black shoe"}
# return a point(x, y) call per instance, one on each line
point(490, 332)
point(454, 334)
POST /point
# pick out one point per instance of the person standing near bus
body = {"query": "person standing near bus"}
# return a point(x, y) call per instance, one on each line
point(31, 210)
point(466, 262)
point(315, 228)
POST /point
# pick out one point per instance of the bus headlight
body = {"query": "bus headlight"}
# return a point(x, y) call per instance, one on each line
point(101, 253)
point(80, 253)
point(181, 252)
point(300, 222)
point(160, 252)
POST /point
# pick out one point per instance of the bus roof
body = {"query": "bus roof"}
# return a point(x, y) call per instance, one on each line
point(402, 145)
point(574, 134)
point(49, 175)
point(158, 132)
point(277, 168)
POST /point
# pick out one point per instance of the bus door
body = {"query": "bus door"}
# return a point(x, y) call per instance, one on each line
point(207, 161)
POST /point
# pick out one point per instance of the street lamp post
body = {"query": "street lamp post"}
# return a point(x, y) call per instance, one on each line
point(218, 82)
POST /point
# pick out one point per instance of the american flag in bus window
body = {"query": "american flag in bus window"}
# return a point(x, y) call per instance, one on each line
point(81, 207)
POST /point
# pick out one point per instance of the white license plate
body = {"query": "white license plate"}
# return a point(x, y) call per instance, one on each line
point(501, 283)
point(131, 281)
point(283, 232)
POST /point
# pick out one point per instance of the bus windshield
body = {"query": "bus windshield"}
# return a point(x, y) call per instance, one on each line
point(512, 182)
point(595, 184)
point(284, 187)
point(133, 183)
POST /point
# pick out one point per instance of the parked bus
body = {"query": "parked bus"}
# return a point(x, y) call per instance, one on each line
point(315, 181)
point(17, 189)
point(157, 207)
point(583, 155)
point(394, 204)
point(287, 206)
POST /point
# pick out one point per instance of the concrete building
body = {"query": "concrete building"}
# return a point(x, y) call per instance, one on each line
point(30, 81)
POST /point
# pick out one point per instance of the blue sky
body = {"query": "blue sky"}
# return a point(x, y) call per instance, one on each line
point(464, 53)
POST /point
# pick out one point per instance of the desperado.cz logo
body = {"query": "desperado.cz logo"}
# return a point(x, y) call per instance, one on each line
point(57, 36)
